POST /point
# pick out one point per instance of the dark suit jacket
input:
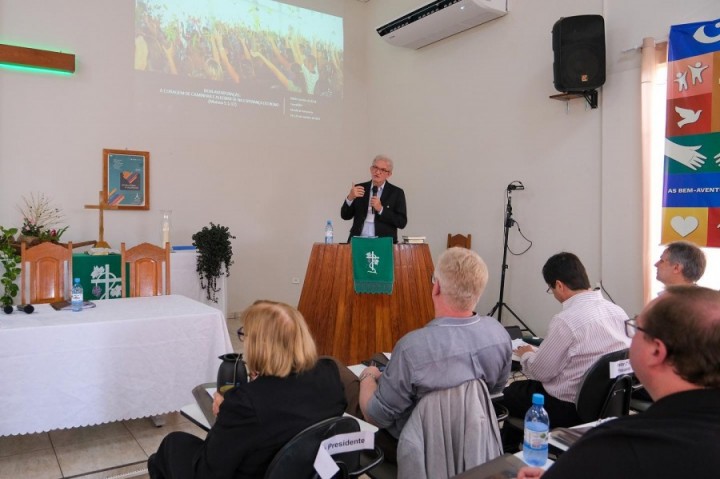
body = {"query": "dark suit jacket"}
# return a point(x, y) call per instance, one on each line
point(256, 419)
point(394, 214)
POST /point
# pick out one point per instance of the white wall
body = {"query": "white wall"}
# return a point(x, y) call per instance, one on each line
point(275, 191)
point(462, 118)
point(471, 114)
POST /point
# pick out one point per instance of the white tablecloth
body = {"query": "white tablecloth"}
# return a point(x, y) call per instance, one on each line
point(124, 359)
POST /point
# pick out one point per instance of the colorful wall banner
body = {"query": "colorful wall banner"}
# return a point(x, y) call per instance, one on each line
point(691, 186)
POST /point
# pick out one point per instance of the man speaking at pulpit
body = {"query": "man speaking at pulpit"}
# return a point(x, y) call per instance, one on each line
point(376, 207)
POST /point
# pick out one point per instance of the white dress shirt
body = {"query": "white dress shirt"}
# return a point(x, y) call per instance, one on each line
point(587, 327)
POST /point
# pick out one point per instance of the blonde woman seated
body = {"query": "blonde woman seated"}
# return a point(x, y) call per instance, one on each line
point(289, 390)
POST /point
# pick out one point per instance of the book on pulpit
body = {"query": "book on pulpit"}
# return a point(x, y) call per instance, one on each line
point(414, 239)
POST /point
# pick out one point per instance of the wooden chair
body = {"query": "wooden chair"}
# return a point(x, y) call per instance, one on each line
point(146, 271)
point(459, 240)
point(47, 269)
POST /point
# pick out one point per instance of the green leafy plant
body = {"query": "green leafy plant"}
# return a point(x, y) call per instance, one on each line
point(214, 257)
point(10, 260)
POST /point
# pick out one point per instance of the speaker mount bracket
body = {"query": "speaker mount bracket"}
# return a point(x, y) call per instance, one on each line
point(591, 96)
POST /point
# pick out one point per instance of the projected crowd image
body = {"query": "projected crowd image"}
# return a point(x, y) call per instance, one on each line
point(250, 47)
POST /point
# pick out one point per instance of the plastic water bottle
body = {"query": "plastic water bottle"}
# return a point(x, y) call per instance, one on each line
point(328, 232)
point(537, 425)
point(77, 296)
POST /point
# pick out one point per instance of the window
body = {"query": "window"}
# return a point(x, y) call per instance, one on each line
point(657, 92)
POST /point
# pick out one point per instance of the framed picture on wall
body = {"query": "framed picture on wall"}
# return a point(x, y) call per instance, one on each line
point(126, 179)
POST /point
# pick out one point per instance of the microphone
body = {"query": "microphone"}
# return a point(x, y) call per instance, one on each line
point(374, 193)
point(515, 185)
point(27, 308)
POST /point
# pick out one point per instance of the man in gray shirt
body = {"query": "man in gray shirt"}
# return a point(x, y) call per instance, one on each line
point(455, 347)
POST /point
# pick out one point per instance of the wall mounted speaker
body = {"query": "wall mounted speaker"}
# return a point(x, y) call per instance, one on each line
point(579, 49)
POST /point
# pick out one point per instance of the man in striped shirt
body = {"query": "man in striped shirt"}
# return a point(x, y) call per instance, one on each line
point(587, 327)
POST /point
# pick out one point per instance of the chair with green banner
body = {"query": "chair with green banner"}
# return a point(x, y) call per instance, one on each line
point(145, 268)
point(45, 272)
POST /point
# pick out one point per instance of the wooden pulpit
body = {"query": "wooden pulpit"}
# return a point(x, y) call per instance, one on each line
point(351, 326)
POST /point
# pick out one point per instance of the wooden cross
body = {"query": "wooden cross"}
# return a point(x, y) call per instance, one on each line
point(102, 206)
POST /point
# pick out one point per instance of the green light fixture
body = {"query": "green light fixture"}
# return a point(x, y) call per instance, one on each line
point(31, 59)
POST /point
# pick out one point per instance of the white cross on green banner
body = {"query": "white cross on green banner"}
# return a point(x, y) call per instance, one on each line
point(373, 268)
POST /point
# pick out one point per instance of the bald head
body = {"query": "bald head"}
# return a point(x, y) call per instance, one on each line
point(687, 320)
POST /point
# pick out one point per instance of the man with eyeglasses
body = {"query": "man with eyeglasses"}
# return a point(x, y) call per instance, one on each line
point(587, 327)
point(675, 353)
point(681, 263)
point(376, 207)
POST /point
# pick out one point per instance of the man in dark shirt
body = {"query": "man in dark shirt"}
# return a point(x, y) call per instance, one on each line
point(377, 207)
point(675, 352)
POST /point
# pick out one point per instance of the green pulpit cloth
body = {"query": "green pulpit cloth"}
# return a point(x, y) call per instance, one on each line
point(373, 269)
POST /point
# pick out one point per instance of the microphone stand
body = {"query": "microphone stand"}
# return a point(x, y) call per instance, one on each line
point(509, 222)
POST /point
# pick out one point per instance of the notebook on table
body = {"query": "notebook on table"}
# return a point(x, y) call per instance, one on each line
point(203, 395)
point(378, 359)
point(564, 437)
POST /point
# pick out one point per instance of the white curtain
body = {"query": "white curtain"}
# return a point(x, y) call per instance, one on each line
point(654, 59)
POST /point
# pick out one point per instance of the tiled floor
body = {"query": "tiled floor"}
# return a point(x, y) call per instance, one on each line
point(90, 452)
point(116, 450)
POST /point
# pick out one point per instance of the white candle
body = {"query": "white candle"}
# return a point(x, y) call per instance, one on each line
point(165, 227)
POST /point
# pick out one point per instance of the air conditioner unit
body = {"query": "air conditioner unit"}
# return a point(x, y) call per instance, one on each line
point(438, 20)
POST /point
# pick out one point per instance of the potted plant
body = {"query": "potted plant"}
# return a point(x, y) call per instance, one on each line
point(214, 257)
point(10, 260)
point(39, 218)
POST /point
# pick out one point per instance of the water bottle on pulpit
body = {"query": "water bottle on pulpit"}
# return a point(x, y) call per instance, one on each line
point(328, 232)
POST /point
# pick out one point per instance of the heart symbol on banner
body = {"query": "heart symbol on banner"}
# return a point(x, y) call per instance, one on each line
point(684, 226)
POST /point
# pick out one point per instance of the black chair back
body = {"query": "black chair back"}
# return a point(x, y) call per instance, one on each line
point(296, 458)
point(600, 395)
